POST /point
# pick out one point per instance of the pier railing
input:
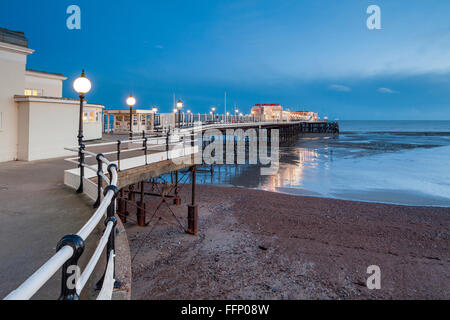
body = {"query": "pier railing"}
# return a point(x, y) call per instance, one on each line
point(71, 247)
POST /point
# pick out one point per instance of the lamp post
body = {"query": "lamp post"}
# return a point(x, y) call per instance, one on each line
point(189, 117)
point(131, 101)
point(213, 110)
point(154, 111)
point(179, 107)
point(236, 112)
point(82, 85)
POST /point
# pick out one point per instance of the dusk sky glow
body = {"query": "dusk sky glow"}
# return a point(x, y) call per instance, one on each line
point(316, 55)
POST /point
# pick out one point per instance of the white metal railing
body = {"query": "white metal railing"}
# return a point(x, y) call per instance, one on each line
point(71, 247)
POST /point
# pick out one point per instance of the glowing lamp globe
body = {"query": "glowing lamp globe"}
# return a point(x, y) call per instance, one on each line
point(131, 101)
point(155, 109)
point(179, 104)
point(82, 85)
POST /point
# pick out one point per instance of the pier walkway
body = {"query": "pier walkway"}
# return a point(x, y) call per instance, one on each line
point(36, 210)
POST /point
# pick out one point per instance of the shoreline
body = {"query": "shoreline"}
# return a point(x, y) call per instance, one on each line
point(312, 194)
point(254, 244)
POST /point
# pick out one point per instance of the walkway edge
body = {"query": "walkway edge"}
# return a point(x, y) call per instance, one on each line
point(123, 263)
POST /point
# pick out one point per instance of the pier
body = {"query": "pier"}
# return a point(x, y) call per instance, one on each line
point(121, 174)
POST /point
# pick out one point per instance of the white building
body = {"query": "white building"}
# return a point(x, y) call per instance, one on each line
point(36, 122)
point(118, 121)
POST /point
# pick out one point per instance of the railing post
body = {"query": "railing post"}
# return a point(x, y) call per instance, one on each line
point(99, 180)
point(81, 165)
point(110, 216)
point(145, 149)
point(167, 145)
point(68, 283)
point(118, 154)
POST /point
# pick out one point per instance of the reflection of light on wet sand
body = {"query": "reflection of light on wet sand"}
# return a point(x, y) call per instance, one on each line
point(290, 174)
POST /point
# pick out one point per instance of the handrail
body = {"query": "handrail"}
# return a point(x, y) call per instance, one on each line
point(71, 247)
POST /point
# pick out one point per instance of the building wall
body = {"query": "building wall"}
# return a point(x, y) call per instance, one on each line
point(12, 80)
point(38, 142)
point(47, 85)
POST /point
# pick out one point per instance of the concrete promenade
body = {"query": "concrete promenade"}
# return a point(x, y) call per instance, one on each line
point(36, 210)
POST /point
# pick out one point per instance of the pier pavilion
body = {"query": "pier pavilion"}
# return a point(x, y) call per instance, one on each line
point(36, 122)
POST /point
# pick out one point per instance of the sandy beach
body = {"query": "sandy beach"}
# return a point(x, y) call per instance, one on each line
point(261, 245)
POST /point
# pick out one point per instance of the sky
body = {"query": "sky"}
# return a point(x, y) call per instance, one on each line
point(307, 55)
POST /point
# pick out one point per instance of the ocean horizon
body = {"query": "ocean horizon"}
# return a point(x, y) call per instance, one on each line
point(404, 162)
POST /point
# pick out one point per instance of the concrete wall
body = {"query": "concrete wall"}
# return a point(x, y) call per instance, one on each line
point(52, 126)
point(12, 80)
point(48, 84)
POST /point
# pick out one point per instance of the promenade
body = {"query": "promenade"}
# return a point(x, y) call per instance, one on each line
point(36, 210)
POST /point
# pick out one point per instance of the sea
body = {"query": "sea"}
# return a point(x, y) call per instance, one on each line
point(397, 162)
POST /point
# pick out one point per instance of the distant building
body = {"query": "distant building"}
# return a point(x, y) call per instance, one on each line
point(35, 121)
point(118, 121)
point(269, 112)
point(303, 116)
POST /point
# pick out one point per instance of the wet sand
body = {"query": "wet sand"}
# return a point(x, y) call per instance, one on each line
point(260, 245)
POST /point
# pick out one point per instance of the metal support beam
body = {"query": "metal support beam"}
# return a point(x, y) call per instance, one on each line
point(193, 208)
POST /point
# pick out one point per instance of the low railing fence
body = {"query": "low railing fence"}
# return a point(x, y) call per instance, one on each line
point(71, 247)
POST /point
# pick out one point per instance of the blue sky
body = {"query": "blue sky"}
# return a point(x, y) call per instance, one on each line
point(317, 55)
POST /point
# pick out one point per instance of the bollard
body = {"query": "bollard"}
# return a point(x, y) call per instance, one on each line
point(68, 282)
point(99, 180)
point(81, 165)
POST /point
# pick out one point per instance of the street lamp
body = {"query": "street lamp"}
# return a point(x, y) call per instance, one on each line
point(213, 111)
point(82, 85)
point(131, 101)
point(154, 111)
point(179, 107)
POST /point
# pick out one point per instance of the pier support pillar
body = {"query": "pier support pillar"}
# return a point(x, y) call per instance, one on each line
point(121, 210)
point(140, 214)
point(140, 211)
point(193, 208)
point(176, 199)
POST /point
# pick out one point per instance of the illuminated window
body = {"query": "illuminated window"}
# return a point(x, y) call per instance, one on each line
point(33, 92)
point(85, 116)
point(91, 117)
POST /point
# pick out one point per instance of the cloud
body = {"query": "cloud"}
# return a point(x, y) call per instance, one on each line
point(339, 87)
point(386, 90)
point(159, 46)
